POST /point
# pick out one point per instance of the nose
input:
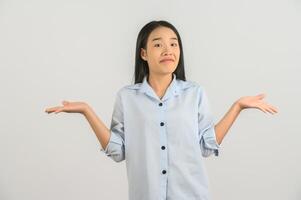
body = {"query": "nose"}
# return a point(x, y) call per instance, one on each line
point(166, 50)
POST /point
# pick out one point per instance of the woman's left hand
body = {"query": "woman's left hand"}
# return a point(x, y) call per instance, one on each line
point(256, 102)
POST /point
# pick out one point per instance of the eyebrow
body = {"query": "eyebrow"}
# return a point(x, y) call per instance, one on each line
point(159, 38)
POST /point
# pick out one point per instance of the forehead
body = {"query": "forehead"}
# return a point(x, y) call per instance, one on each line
point(162, 32)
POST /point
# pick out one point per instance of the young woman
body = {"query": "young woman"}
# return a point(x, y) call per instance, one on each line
point(162, 125)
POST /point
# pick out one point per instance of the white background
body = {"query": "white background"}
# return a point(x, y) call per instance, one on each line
point(84, 51)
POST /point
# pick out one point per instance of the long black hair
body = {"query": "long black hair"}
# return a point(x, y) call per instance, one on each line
point(141, 66)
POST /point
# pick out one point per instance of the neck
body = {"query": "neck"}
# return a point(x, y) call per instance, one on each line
point(160, 83)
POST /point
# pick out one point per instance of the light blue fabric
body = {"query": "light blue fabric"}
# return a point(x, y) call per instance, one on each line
point(174, 137)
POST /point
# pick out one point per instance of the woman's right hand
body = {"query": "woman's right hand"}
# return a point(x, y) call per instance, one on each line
point(69, 107)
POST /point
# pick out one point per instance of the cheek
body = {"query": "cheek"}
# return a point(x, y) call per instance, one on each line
point(155, 55)
point(153, 59)
point(177, 53)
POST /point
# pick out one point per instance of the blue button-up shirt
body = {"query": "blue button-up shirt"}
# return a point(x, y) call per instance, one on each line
point(163, 141)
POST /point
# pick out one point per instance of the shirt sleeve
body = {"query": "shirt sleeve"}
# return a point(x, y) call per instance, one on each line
point(208, 142)
point(115, 148)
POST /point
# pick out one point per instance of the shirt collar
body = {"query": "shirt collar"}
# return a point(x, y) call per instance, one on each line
point(172, 90)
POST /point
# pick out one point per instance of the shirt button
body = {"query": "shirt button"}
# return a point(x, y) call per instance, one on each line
point(163, 147)
point(162, 123)
point(163, 171)
point(160, 104)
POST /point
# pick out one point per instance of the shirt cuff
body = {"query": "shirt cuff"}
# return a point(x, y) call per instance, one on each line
point(210, 144)
point(111, 146)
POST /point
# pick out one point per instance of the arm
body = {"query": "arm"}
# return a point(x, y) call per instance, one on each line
point(101, 131)
point(222, 127)
point(111, 140)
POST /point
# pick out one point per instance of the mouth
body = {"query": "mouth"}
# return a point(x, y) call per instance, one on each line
point(166, 60)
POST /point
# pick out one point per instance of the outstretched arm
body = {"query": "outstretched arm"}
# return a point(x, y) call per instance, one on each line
point(222, 127)
point(101, 131)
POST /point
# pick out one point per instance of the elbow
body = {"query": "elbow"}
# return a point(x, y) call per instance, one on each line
point(118, 157)
point(115, 148)
point(115, 151)
point(209, 147)
point(208, 152)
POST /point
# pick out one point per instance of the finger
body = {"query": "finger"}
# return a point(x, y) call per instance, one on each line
point(274, 109)
point(263, 109)
point(57, 111)
point(65, 102)
point(53, 109)
point(49, 110)
point(270, 109)
point(261, 96)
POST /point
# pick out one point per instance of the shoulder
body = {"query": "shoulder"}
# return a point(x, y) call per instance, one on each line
point(192, 86)
point(132, 86)
point(188, 84)
point(197, 89)
point(127, 89)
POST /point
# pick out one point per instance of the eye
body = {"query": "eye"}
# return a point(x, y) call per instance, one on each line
point(157, 45)
point(174, 44)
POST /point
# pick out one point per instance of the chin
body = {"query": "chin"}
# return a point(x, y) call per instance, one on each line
point(167, 72)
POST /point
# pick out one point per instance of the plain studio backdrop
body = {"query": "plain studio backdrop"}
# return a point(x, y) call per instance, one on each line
point(85, 51)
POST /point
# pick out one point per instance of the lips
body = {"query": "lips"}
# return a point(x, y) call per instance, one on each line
point(167, 60)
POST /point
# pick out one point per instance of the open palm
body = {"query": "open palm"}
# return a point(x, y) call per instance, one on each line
point(256, 102)
point(70, 107)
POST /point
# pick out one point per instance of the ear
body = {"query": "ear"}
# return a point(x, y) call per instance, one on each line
point(143, 54)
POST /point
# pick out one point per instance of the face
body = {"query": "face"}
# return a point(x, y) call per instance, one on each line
point(162, 51)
